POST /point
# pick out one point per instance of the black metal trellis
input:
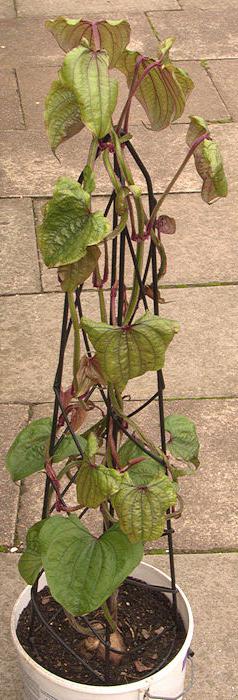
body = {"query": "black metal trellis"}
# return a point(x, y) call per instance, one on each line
point(119, 247)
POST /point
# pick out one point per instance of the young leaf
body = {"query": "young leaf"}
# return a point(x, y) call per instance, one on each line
point(114, 35)
point(86, 73)
point(61, 115)
point(208, 161)
point(89, 374)
point(89, 180)
point(71, 276)
point(82, 571)
point(130, 351)
point(183, 443)
point(68, 226)
point(141, 509)
point(27, 453)
point(162, 92)
point(143, 472)
point(96, 483)
point(30, 562)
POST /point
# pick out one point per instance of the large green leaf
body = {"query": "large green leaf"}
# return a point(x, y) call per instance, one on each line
point(96, 483)
point(82, 571)
point(143, 472)
point(30, 562)
point(114, 35)
point(68, 226)
point(141, 509)
point(184, 442)
point(208, 161)
point(130, 351)
point(86, 73)
point(62, 114)
point(27, 453)
point(71, 276)
point(163, 91)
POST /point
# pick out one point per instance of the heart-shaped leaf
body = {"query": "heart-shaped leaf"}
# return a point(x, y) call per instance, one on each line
point(68, 226)
point(86, 73)
point(127, 352)
point(30, 562)
point(96, 483)
point(141, 473)
point(28, 451)
point(141, 509)
point(71, 276)
point(208, 161)
point(62, 114)
point(82, 571)
point(112, 35)
point(162, 92)
point(184, 442)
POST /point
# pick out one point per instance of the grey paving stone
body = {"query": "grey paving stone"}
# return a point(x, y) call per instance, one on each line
point(19, 261)
point(13, 418)
point(71, 7)
point(209, 581)
point(7, 9)
point(224, 74)
point(30, 169)
point(215, 636)
point(209, 519)
point(10, 109)
point(198, 35)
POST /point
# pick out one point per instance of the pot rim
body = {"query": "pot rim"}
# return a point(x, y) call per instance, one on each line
point(100, 689)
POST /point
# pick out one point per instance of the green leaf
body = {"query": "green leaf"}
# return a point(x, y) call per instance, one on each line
point(82, 571)
point(208, 161)
point(86, 73)
point(141, 509)
point(96, 483)
point(61, 115)
point(30, 562)
point(114, 35)
point(127, 352)
point(184, 442)
point(71, 276)
point(68, 226)
point(27, 453)
point(143, 472)
point(163, 91)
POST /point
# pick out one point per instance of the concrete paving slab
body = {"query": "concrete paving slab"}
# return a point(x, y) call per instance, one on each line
point(197, 254)
point(215, 636)
point(70, 8)
point(7, 9)
point(30, 169)
point(209, 519)
point(209, 581)
point(19, 261)
point(10, 109)
point(13, 418)
point(198, 35)
point(218, 6)
point(224, 74)
point(202, 358)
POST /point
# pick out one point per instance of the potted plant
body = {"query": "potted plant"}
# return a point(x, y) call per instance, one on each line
point(112, 466)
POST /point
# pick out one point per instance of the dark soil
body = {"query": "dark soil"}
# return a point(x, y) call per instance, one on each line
point(145, 621)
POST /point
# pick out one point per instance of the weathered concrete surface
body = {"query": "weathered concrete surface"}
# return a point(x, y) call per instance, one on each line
point(70, 8)
point(13, 419)
point(198, 35)
point(209, 520)
point(7, 10)
point(215, 614)
point(223, 74)
point(210, 582)
point(201, 360)
point(10, 109)
point(218, 6)
point(30, 169)
point(19, 260)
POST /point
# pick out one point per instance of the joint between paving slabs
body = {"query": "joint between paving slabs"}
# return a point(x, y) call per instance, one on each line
point(19, 97)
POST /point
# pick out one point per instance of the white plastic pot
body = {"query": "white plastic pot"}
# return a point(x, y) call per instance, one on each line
point(40, 684)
